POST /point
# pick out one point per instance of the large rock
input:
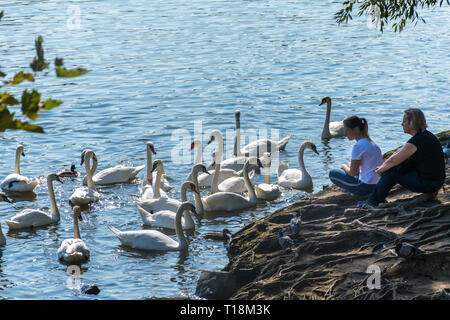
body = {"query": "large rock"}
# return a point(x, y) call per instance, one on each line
point(216, 285)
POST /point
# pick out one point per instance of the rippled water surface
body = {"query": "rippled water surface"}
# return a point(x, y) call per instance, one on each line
point(158, 66)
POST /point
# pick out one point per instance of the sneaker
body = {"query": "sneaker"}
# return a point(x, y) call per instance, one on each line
point(364, 205)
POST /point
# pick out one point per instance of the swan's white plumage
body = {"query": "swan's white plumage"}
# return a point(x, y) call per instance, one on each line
point(296, 178)
point(153, 239)
point(333, 129)
point(15, 182)
point(29, 218)
point(86, 194)
point(266, 190)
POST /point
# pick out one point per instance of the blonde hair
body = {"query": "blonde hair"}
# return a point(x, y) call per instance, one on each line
point(416, 118)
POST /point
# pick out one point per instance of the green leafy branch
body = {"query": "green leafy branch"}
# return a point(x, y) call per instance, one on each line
point(397, 11)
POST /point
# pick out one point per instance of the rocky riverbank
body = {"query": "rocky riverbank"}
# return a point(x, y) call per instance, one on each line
point(337, 243)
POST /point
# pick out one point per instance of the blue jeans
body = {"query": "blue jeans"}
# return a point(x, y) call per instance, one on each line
point(410, 180)
point(352, 184)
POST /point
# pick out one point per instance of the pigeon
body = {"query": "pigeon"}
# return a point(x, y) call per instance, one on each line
point(406, 250)
point(295, 224)
point(284, 241)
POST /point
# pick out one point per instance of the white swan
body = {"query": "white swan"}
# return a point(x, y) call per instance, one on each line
point(86, 194)
point(74, 251)
point(258, 147)
point(194, 174)
point(295, 178)
point(114, 175)
point(166, 218)
point(29, 218)
point(153, 239)
point(229, 201)
point(196, 144)
point(15, 182)
point(235, 184)
point(333, 129)
point(158, 202)
point(153, 190)
point(266, 190)
point(165, 185)
point(206, 180)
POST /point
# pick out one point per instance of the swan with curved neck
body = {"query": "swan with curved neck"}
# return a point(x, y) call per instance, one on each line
point(295, 178)
point(165, 185)
point(30, 218)
point(151, 190)
point(158, 203)
point(114, 175)
point(258, 147)
point(334, 129)
point(194, 174)
point(15, 182)
point(229, 201)
point(266, 190)
point(153, 239)
point(206, 180)
point(74, 251)
point(86, 194)
point(166, 218)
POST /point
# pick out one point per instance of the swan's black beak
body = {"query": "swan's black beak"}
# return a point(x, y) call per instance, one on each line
point(259, 163)
point(192, 146)
point(155, 165)
point(152, 149)
point(23, 154)
point(314, 149)
point(205, 170)
point(211, 139)
point(194, 211)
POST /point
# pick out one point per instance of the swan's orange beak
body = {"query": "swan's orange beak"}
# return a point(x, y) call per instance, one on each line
point(211, 139)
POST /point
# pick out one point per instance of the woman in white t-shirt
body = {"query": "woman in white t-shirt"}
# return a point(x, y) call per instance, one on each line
point(359, 178)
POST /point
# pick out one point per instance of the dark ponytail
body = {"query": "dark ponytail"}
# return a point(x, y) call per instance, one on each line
point(355, 121)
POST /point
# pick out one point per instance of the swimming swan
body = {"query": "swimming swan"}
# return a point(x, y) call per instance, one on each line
point(165, 185)
point(206, 180)
point(153, 239)
point(15, 182)
point(258, 147)
point(86, 194)
point(114, 175)
point(266, 190)
point(295, 178)
point(166, 218)
point(236, 184)
point(74, 251)
point(153, 190)
point(229, 201)
point(334, 129)
point(29, 218)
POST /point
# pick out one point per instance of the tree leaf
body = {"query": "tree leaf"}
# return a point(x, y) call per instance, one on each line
point(7, 99)
point(7, 122)
point(30, 104)
point(64, 73)
point(21, 76)
point(50, 104)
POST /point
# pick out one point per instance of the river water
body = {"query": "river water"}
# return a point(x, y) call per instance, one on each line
point(160, 68)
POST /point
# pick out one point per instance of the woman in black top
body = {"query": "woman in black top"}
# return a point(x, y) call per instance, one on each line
point(418, 166)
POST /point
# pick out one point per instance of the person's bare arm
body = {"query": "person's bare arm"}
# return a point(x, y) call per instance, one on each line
point(398, 157)
point(353, 170)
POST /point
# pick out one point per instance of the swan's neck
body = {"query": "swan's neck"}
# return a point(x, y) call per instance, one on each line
point(198, 199)
point(326, 125)
point(248, 183)
point(53, 207)
point(89, 173)
point(182, 244)
point(267, 177)
point(149, 165)
point(158, 181)
point(76, 229)
point(17, 164)
point(215, 182)
point(94, 167)
point(301, 164)
point(198, 157)
point(237, 143)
